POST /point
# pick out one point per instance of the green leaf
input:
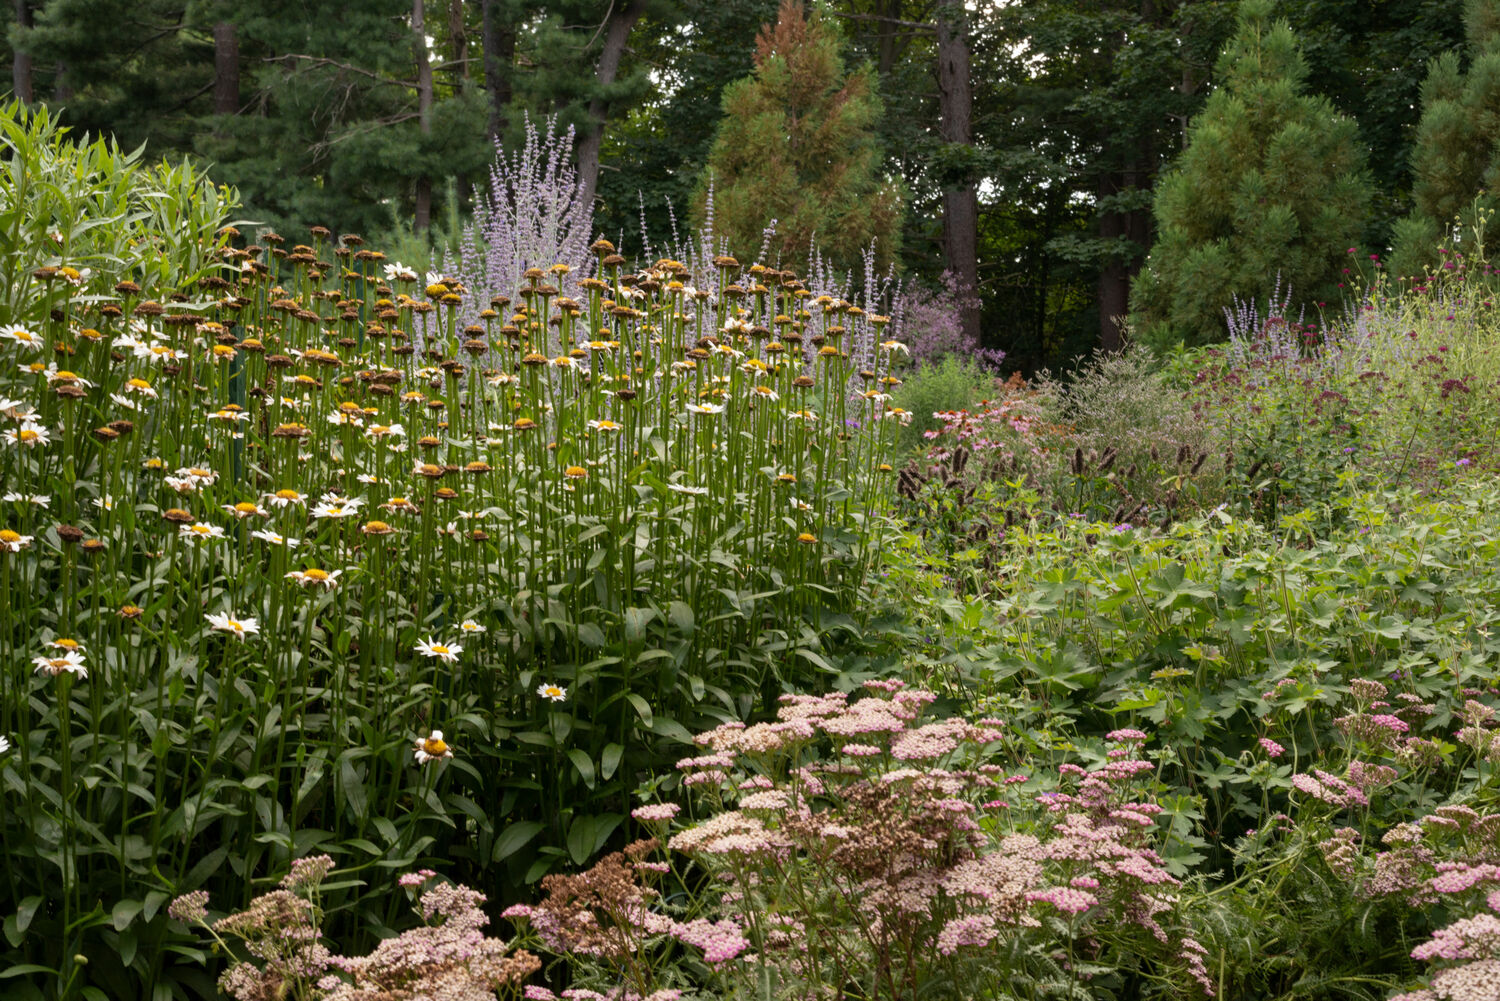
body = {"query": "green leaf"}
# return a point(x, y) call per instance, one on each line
point(636, 622)
point(584, 764)
point(514, 838)
point(642, 708)
point(125, 912)
point(610, 760)
point(681, 615)
point(352, 787)
point(26, 912)
point(22, 969)
point(589, 634)
point(581, 838)
point(665, 726)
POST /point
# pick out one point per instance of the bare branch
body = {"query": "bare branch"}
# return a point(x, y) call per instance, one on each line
point(322, 61)
point(898, 22)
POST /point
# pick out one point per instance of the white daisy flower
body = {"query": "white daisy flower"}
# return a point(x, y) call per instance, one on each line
point(556, 693)
point(284, 498)
point(201, 532)
point(21, 337)
point(28, 435)
point(38, 500)
point(398, 272)
point(245, 509)
point(442, 651)
point(14, 541)
point(337, 507)
point(313, 577)
point(470, 626)
point(431, 747)
point(227, 623)
point(198, 474)
point(70, 661)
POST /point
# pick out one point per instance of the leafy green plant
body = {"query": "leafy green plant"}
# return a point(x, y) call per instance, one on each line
point(952, 384)
point(294, 559)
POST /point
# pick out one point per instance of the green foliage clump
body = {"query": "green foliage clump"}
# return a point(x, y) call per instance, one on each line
point(92, 205)
point(952, 384)
point(797, 146)
point(1457, 156)
point(1273, 182)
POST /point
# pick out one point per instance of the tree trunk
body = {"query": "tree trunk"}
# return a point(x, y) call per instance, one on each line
point(423, 215)
point(960, 203)
point(226, 69)
point(458, 37)
point(616, 34)
point(1130, 223)
point(20, 68)
point(499, 41)
point(1114, 278)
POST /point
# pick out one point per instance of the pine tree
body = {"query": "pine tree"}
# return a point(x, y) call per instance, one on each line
point(797, 145)
point(1456, 163)
point(1272, 185)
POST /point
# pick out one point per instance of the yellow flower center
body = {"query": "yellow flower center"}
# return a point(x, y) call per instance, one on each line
point(65, 376)
point(26, 436)
point(436, 748)
point(223, 351)
point(575, 472)
point(201, 473)
point(377, 526)
point(245, 507)
point(66, 644)
point(807, 538)
point(200, 530)
point(439, 648)
point(317, 575)
point(7, 536)
point(288, 494)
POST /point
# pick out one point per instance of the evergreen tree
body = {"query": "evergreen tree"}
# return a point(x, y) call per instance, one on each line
point(335, 131)
point(1272, 186)
point(1456, 163)
point(797, 146)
